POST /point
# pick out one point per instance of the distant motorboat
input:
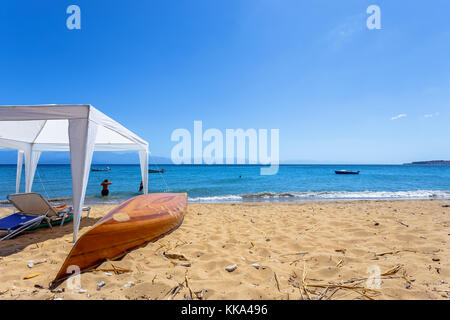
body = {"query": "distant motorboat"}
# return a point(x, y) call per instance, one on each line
point(346, 172)
point(156, 171)
point(104, 169)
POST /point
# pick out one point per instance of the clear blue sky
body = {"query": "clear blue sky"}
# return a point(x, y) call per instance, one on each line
point(309, 68)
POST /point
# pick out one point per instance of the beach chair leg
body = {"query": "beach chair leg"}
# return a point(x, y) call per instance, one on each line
point(6, 237)
point(63, 219)
point(48, 222)
point(9, 235)
point(88, 209)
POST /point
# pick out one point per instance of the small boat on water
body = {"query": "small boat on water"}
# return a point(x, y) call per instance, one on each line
point(105, 169)
point(346, 172)
point(156, 171)
point(131, 224)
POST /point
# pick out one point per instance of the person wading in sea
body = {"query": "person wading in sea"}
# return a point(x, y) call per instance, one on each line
point(105, 185)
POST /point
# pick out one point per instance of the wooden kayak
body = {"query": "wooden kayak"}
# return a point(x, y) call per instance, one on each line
point(131, 224)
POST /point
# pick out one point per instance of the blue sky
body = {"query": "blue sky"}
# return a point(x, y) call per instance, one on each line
point(311, 69)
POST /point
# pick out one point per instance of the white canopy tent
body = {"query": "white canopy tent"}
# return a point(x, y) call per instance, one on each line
point(80, 129)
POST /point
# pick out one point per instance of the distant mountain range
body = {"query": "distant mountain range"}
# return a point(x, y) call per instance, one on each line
point(431, 162)
point(105, 158)
point(10, 157)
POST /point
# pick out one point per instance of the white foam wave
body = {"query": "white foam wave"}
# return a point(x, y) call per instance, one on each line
point(224, 198)
point(326, 195)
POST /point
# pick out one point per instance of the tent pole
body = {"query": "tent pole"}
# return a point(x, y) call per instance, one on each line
point(31, 161)
point(82, 134)
point(143, 159)
point(19, 169)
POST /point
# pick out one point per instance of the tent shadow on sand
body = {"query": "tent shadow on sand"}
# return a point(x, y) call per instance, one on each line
point(38, 236)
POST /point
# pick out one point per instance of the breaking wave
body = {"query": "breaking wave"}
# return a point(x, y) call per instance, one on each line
point(326, 195)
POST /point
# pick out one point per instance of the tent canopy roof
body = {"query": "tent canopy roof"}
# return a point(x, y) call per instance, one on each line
point(80, 129)
point(46, 128)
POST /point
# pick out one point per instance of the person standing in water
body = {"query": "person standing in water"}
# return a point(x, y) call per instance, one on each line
point(141, 187)
point(105, 185)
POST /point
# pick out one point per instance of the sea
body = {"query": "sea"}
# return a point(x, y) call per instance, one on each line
point(244, 183)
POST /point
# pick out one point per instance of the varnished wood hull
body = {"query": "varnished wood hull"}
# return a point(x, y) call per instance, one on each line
point(133, 223)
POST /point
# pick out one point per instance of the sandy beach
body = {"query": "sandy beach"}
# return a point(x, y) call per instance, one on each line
point(303, 250)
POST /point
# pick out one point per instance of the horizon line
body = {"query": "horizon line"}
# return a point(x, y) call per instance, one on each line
point(232, 164)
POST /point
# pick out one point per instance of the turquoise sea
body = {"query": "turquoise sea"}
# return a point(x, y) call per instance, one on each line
point(222, 183)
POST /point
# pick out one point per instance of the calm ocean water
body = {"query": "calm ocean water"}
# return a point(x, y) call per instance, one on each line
point(222, 183)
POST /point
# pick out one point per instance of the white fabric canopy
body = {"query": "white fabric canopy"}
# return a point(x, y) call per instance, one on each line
point(80, 129)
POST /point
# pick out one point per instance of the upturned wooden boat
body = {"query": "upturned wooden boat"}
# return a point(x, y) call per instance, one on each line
point(131, 224)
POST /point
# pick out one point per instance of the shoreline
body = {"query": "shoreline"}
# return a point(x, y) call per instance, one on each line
point(5, 204)
point(243, 200)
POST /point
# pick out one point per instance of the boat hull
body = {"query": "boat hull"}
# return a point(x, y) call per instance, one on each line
point(346, 172)
point(131, 224)
point(156, 171)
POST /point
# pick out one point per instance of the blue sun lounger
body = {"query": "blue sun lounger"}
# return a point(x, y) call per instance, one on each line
point(17, 222)
point(33, 210)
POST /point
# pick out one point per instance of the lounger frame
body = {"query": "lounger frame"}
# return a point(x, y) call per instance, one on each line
point(45, 212)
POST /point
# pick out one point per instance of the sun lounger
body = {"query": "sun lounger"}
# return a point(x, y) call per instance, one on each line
point(34, 211)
